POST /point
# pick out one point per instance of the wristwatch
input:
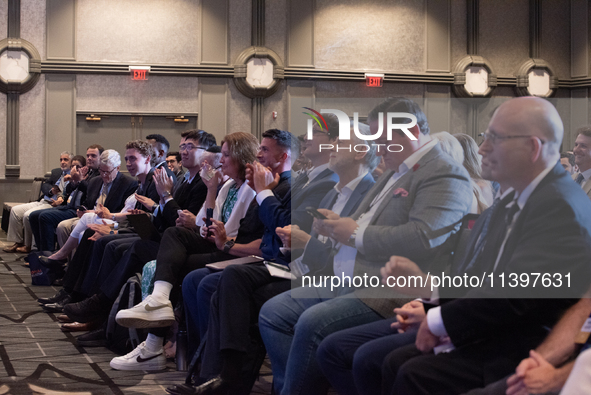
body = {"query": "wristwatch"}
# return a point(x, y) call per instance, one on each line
point(353, 237)
point(113, 217)
point(165, 194)
point(228, 245)
point(154, 207)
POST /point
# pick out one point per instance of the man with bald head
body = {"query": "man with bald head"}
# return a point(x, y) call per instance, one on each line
point(542, 224)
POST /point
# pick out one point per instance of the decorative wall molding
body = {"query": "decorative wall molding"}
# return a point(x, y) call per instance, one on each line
point(296, 73)
point(20, 45)
point(522, 78)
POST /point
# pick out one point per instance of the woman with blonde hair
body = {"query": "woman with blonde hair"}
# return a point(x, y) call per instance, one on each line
point(483, 192)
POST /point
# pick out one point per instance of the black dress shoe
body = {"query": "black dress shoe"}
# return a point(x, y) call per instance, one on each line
point(179, 389)
point(58, 297)
point(57, 307)
point(45, 261)
point(215, 386)
point(95, 338)
point(89, 310)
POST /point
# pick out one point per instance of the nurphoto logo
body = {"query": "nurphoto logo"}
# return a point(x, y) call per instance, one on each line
point(345, 129)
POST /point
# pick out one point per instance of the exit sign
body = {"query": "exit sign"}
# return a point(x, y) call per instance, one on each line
point(374, 80)
point(139, 73)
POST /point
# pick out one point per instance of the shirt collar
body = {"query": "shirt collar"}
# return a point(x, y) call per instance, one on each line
point(416, 156)
point(350, 187)
point(586, 174)
point(525, 194)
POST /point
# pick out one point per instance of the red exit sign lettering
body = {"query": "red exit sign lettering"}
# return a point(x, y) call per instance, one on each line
point(374, 80)
point(139, 73)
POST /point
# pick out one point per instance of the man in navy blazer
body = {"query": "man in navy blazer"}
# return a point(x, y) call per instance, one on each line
point(541, 226)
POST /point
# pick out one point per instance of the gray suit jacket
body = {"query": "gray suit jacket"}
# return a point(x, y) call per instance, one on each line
point(415, 226)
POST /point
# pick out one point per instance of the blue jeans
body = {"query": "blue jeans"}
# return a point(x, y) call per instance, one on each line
point(293, 328)
point(198, 287)
point(351, 359)
point(45, 222)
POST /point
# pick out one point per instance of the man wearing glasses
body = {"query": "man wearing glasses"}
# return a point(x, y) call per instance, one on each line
point(110, 189)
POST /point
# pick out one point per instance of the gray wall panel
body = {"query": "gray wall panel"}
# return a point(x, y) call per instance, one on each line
point(579, 38)
point(276, 26)
point(239, 110)
point(61, 29)
point(32, 132)
point(504, 33)
point(2, 133)
point(60, 117)
point(3, 19)
point(438, 108)
point(147, 31)
point(458, 30)
point(121, 93)
point(372, 35)
point(299, 95)
point(214, 31)
point(33, 25)
point(213, 109)
point(438, 35)
point(276, 102)
point(300, 40)
point(555, 36)
point(240, 33)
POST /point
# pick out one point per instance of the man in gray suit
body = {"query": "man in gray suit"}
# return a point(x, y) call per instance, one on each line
point(582, 152)
point(411, 211)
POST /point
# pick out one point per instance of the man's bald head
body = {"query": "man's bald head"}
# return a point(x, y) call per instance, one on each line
point(522, 139)
point(537, 117)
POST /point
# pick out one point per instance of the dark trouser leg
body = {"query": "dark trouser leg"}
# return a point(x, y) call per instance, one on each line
point(107, 251)
point(134, 259)
point(234, 309)
point(77, 265)
point(429, 374)
point(351, 359)
point(177, 244)
point(45, 222)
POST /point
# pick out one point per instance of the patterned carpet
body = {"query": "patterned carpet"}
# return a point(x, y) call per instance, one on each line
point(38, 358)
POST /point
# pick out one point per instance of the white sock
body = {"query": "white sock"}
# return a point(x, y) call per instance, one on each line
point(161, 291)
point(154, 343)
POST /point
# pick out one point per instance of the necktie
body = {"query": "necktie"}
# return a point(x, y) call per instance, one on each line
point(580, 179)
point(103, 196)
point(490, 242)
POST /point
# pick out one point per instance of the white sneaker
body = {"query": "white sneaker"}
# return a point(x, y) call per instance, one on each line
point(140, 359)
point(148, 314)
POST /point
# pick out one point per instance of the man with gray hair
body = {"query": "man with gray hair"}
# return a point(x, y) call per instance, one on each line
point(19, 228)
point(110, 189)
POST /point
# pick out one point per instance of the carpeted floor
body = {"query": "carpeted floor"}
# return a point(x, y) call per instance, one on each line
point(38, 358)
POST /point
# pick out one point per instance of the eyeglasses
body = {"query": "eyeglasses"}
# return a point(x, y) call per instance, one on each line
point(105, 172)
point(493, 138)
point(171, 161)
point(189, 147)
point(76, 166)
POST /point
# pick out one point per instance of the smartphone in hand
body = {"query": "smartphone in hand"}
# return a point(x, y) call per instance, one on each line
point(315, 213)
point(208, 216)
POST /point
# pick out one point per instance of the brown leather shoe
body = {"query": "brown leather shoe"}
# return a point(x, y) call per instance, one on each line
point(23, 250)
point(80, 327)
point(12, 248)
